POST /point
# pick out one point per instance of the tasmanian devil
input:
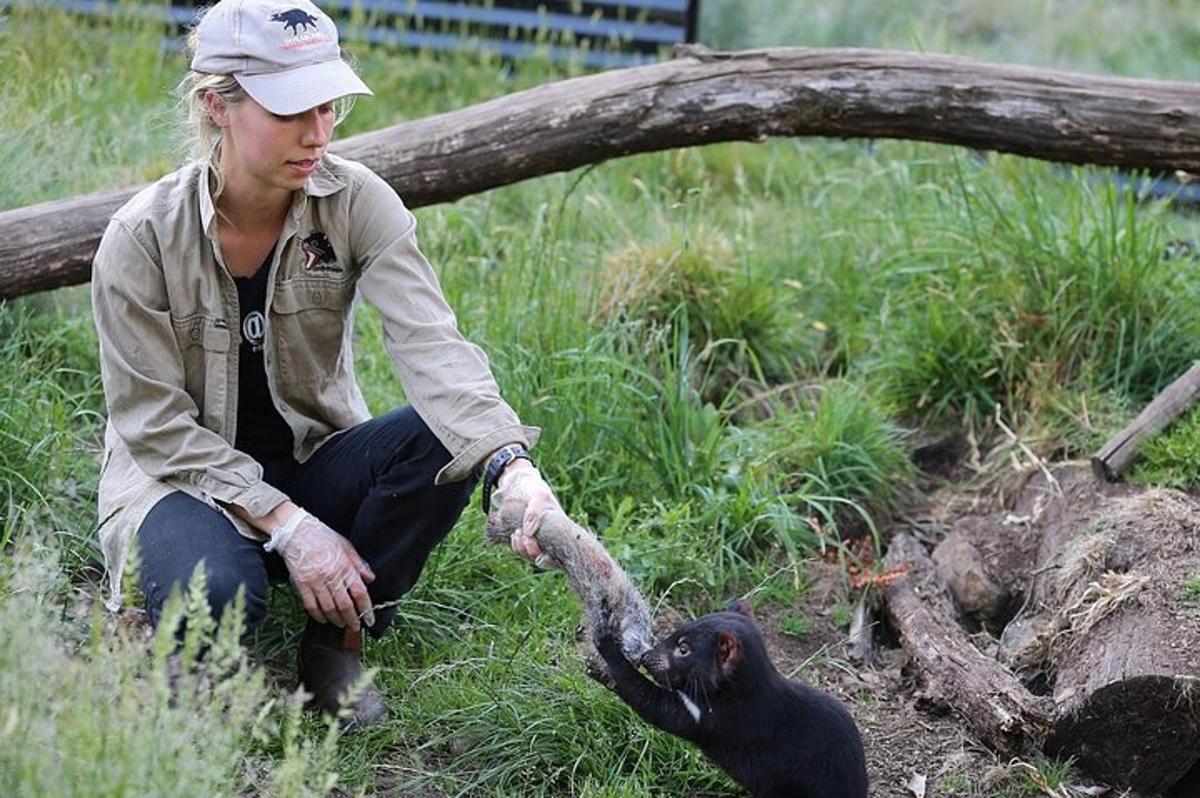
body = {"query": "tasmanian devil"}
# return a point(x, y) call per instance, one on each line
point(775, 737)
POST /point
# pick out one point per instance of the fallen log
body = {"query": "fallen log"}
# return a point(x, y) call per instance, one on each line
point(703, 98)
point(1110, 620)
point(1006, 715)
point(1108, 629)
point(988, 560)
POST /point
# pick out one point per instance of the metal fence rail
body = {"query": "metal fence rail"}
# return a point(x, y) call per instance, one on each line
point(598, 33)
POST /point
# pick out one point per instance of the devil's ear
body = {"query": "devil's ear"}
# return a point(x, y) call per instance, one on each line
point(729, 651)
point(741, 607)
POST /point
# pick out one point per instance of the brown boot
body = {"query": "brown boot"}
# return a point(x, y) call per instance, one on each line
point(331, 663)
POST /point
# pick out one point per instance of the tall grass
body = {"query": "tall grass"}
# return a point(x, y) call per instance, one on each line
point(1037, 282)
point(838, 457)
point(725, 347)
point(1144, 39)
point(49, 419)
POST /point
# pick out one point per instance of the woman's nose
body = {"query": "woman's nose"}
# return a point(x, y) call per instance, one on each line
point(316, 130)
point(315, 136)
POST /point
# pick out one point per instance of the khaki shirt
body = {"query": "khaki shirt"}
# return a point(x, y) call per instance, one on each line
point(167, 315)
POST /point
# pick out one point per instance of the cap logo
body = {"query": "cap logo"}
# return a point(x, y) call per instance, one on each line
point(295, 19)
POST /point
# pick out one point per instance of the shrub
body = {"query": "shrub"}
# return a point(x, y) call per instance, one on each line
point(120, 715)
point(740, 319)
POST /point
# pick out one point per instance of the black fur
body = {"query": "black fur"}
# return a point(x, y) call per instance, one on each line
point(777, 738)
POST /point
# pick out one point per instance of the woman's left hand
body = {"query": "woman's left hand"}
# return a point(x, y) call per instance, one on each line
point(521, 482)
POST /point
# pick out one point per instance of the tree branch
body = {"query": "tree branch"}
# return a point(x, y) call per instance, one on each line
point(703, 98)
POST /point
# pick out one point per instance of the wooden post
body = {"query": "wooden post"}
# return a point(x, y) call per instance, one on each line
point(1117, 455)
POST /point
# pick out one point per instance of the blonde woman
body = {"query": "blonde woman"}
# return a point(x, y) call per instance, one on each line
point(237, 435)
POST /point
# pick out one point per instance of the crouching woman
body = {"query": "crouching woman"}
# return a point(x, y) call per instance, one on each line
point(237, 436)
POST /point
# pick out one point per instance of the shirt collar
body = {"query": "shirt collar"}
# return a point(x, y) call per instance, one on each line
point(321, 183)
point(208, 211)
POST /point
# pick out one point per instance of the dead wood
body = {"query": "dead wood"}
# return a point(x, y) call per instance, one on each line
point(609, 598)
point(1117, 455)
point(982, 564)
point(702, 98)
point(1106, 628)
point(1005, 714)
point(988, 560)
point(1117, 632)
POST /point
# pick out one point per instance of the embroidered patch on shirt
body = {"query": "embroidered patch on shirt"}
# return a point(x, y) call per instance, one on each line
point(319, 254)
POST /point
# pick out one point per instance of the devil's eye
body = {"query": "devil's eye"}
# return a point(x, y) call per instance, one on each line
point(682, 648)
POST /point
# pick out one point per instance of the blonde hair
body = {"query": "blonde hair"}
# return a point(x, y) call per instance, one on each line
point(202, 139)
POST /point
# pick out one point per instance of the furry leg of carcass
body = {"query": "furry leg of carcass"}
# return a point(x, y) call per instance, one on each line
point(609, 598)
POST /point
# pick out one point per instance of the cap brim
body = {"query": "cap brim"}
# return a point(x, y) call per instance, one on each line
point(295, 90)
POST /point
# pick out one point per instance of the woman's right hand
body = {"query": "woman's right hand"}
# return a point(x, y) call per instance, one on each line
point(328, 574)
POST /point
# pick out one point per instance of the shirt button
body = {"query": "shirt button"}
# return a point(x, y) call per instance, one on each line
point(316, 297)
point(195, 333)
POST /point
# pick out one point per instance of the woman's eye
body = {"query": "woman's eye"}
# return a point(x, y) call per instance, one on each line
point(324, 110)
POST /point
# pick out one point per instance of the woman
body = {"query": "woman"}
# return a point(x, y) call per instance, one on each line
point(236, 434)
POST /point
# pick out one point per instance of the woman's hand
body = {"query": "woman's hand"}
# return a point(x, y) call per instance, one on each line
point(521, 482)
point(326, 571)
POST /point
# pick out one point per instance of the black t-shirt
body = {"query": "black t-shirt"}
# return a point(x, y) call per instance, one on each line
point(261, 431)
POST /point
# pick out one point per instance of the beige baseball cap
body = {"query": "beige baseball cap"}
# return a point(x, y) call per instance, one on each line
point(284, 53)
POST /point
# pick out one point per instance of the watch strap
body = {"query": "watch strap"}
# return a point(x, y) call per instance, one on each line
point(495, 467)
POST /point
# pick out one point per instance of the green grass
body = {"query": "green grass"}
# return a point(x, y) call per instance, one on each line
point(729, 348)
point(1038, 776)
point(1169, 458)
point(1042, 776)
point(49, 415)
point(1137, 39)
point(795, 625)
point(837, 456)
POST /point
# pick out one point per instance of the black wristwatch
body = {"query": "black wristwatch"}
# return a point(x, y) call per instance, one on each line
point(495, 467)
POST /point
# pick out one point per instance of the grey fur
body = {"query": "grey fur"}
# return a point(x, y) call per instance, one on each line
point(609, 597)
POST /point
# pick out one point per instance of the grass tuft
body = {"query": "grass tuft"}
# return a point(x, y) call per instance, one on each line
point(741, 321)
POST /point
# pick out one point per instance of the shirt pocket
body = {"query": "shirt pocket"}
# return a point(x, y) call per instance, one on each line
point(311, 317)
point(303, 294)
point(204, 341)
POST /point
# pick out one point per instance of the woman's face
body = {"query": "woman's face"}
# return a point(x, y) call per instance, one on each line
point(263, 152)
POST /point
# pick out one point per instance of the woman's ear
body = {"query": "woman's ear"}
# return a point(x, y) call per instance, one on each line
point(218, 109)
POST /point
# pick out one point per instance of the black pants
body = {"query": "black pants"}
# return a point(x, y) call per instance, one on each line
point(373, 484)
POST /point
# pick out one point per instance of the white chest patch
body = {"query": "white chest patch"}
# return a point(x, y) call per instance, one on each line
point(689, 705)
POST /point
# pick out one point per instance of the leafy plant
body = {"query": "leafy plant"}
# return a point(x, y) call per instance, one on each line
point(117, 714)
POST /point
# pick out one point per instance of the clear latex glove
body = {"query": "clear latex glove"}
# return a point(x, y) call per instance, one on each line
point(522, 483)
point(326, 571)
